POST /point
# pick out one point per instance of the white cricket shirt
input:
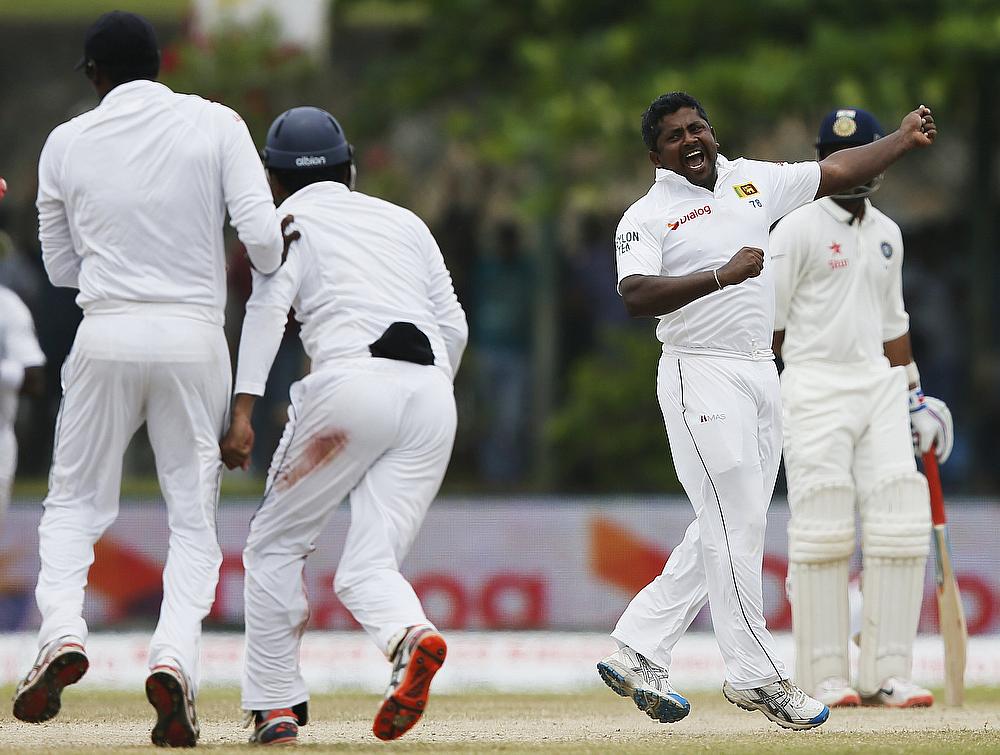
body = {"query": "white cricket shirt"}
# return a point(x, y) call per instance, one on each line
point(362, 264)
point(132, 198)
point(678, 229)
point(19, 344)
point(839, 284)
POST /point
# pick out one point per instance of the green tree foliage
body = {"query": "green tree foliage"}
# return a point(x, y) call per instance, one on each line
point(559, 85)
point(248, 69)
point(608, 434)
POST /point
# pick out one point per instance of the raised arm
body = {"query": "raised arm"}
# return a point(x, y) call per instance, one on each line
point(847, 168)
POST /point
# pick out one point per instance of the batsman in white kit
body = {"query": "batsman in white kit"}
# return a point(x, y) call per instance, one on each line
point(21, 372)
point(373, 422)
point(132, 200)
point(692, 252)
point(843, 333)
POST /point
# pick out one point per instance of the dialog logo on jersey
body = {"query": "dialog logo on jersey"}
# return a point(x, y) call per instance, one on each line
point(673, 225)
point(745, 190)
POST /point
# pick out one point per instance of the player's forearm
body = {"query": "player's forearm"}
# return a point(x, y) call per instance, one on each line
point(898, 351)
point(655, 295)
point(243, 405)
point(777, 341)
point(847, 168)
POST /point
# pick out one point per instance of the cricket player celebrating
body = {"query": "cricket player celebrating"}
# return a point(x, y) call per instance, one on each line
point(21, 371)
point(374, 422)
point(132, 199)
point(691, 252)
point(843, 333)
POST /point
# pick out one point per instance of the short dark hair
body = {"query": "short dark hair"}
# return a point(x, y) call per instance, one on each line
point(666, 104)
point(293, 180)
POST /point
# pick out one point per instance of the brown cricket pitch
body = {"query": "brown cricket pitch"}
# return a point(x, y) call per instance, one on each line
point(593, 721)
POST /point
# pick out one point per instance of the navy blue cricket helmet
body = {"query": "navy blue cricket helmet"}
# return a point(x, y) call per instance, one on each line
point(850, 127)
point(305, 138)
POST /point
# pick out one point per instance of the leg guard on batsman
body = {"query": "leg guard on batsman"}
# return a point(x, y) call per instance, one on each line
point(820, 545)
point(895, 537)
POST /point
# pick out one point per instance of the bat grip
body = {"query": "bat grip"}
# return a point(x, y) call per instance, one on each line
point(934, 484)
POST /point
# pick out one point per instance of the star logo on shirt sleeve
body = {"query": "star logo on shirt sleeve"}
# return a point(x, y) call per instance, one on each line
point(835, 248)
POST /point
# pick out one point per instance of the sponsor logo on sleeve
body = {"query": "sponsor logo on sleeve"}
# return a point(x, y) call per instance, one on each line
point(745, 190)
point(624, 241)
point(886, 249)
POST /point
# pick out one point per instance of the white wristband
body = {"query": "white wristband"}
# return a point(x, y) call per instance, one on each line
point(11, 374)
point(718, 283)
point(912, 375)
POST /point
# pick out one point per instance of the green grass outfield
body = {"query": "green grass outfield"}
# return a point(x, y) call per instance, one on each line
point(591, 722)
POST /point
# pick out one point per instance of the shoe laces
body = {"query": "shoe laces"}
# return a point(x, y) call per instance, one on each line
point(796, 696)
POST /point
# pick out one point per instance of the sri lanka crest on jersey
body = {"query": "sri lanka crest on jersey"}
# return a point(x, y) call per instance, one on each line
point(745, 190)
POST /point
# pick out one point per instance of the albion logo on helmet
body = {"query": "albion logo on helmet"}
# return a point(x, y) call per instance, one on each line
point(309, 161)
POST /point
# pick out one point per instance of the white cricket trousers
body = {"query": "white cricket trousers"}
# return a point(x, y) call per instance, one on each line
point(723, 420)
point(378, 432)
point(174, 374)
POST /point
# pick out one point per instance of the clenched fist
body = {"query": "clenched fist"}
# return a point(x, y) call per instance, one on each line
point(746, 263)
point(918, 127)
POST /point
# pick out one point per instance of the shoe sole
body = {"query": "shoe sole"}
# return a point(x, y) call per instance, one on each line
point(914, 702)
point(42, 700)
point(847, 701)
point(173, 729)
point(658, 707)
point(404, 707)
point(783, 723)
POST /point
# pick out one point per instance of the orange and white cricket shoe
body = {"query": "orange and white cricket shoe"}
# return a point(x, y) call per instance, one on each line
point(900, 693)
point(836, 692)
point(417, 657)
point(169, 692)
point(39, 695)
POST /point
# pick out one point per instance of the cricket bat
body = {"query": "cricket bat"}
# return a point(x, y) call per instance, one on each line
point(951, 615)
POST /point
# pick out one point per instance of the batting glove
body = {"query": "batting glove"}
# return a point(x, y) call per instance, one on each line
point(931, 424)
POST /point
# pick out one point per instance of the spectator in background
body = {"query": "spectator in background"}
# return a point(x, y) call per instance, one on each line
point(503, 293)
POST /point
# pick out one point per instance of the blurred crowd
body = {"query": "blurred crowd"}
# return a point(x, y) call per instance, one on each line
point(496, 272)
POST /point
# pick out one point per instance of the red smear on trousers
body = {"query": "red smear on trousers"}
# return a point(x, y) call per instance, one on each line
point(319, 450)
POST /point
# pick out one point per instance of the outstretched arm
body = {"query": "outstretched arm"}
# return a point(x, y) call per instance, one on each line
point(847, 168)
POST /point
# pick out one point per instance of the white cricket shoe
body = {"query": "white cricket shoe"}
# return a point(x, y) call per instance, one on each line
point(632, 674)
point(900, 693)
point(837, 692)
point(782, 702)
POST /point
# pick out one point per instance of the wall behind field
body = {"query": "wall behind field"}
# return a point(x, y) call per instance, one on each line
point(564, 563)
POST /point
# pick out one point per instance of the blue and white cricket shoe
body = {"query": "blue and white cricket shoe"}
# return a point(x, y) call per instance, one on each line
point(782, 702)
point(632, 674)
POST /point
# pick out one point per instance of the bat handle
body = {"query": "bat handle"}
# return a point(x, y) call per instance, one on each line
point(934, 484)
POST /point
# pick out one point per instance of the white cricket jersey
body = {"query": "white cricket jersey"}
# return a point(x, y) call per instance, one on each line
point(18, 344)
point(839, 284)
point(678, 229)
point(132, 198)
point(362, 264)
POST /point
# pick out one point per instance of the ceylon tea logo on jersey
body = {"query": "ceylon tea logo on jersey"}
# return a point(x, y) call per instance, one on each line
point(673, 225)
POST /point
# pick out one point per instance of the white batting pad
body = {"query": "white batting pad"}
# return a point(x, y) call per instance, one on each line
point(820, 544)
point(895, 537)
